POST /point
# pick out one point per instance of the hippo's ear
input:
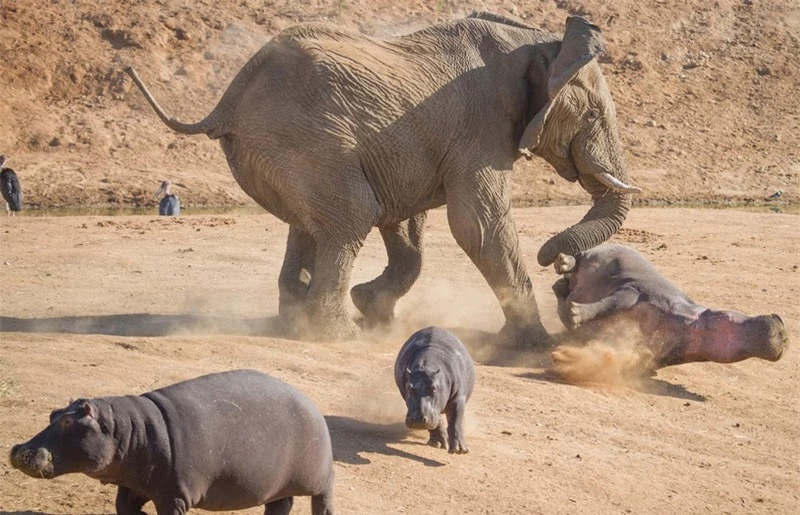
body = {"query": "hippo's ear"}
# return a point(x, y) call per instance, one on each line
point(85, 409)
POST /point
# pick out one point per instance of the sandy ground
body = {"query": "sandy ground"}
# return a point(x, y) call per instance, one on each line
point(95, 306)
point(705, 93)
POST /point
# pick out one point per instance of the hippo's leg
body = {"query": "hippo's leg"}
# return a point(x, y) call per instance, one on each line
point(322, 504)
point(578, 313)
point(438, 437)
point(377, 298)
point(171, 506)
point(561, 289)
point(129, 503)
point(565, 264)
point(455, 427)
point(281, 507)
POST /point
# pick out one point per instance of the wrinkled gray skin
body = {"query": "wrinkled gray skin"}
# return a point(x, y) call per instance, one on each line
point(336, 133)
point(435, 374)
point(226, 441)
point(611, 285)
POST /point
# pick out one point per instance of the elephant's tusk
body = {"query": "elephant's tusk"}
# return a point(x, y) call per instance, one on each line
point(609, 181)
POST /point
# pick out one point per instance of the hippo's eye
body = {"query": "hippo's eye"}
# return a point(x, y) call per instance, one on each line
point(66, 422)
point(592, 115)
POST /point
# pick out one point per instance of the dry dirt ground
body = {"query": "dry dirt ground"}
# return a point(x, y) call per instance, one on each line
point(706, 100)
point(120, 305)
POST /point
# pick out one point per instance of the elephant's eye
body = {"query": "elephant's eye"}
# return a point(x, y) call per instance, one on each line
point(592, 115)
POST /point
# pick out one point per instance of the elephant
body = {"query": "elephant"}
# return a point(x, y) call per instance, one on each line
point(335, 133)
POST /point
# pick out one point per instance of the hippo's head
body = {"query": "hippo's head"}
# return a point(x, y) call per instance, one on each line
point(425, 398)
point(75, 441)
point(727, 336)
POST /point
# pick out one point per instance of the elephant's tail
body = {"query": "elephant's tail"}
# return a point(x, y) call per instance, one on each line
point(209, 125)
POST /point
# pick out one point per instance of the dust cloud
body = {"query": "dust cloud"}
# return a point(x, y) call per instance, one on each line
point(616, 357)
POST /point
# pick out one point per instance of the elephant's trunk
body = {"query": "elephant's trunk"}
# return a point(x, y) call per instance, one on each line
point(601, 222)
point(205, 126)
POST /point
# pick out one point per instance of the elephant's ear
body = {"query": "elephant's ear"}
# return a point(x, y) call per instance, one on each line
point(582, 42)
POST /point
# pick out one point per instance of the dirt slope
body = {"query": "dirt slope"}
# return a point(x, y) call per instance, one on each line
point(704, 91)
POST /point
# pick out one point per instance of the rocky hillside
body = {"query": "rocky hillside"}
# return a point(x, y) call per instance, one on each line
point(706, 92)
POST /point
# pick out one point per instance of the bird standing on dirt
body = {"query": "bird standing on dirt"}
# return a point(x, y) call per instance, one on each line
point(9, 187)
point(169, 205)
point(775, 196)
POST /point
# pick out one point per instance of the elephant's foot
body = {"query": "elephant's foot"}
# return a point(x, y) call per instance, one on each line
point(297, 324)
point(529, 336)
point(375, 304)
point(338, 329)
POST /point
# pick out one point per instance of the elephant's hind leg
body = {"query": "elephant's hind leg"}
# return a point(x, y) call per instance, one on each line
point(377, 298)
point(295, 278)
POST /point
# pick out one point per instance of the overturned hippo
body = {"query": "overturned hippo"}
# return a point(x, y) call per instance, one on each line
point(225, 441)
point(611, 285)
point(435, 374)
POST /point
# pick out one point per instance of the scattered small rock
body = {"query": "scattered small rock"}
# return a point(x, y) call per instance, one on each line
point(181, 34)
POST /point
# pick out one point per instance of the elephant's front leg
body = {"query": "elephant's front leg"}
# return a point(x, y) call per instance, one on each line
point(479, 214)
point(377, 298)
point(295, 278)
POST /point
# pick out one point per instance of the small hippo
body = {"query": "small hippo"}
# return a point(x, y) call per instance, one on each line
point(435, 375)
point(225, 441)
point(609, 284)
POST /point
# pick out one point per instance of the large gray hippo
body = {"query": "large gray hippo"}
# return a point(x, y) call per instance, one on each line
point(435, 374)
point(611, 286)
point(225, 441)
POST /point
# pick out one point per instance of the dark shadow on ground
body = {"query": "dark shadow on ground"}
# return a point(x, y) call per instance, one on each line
point(351, 437)
point(145, 324)
point(648, 385)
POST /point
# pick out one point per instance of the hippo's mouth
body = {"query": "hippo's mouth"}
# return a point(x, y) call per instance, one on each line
point(428, 423)
point(37, 463)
